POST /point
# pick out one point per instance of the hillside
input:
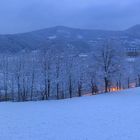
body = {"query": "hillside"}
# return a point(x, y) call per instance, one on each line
point(64, 37)
point(112, 116)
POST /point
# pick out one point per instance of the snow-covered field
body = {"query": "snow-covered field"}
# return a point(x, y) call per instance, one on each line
point(113, 116)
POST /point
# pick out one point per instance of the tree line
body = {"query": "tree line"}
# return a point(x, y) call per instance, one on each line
point(48, 74)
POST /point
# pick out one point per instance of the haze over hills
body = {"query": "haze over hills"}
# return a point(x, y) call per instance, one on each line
point(61, 37)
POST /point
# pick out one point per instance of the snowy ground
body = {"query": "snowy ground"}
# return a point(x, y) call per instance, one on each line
point(114, 116)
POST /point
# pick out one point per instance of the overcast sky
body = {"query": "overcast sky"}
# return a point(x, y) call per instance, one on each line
point(27, 15)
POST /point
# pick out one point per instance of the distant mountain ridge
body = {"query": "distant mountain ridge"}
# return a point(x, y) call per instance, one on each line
point(60, 37)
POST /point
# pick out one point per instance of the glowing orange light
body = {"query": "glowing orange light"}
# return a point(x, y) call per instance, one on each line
point(113, 89)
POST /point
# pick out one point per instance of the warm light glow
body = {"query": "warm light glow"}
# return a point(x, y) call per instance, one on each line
point(113, 89)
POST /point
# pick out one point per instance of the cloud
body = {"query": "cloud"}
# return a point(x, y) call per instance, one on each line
point(22, 16)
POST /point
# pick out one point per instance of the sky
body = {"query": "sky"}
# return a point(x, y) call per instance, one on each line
point(18, 16)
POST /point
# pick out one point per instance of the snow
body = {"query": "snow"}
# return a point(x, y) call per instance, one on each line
point(52, 37)
point(79, 36)
point(112, 116)
point(83, 55)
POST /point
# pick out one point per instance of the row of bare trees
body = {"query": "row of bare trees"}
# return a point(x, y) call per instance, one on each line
point(43, 75)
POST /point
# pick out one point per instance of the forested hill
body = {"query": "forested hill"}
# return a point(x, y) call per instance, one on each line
point(61, 37)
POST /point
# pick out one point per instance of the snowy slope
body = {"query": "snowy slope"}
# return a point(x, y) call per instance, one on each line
point(113, 116)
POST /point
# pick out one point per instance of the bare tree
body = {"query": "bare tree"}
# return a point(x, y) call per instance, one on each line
point(46, 65)
point(6, 77)
point(80, 85)
point(108, 62)
point(58, 64)
point(32, 77)
point(69, 67)
point(93, 76)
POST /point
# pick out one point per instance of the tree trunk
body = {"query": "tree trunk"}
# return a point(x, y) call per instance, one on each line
point(57, 91)
point(70, 87)
point(79, 89)
point(106, 84)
